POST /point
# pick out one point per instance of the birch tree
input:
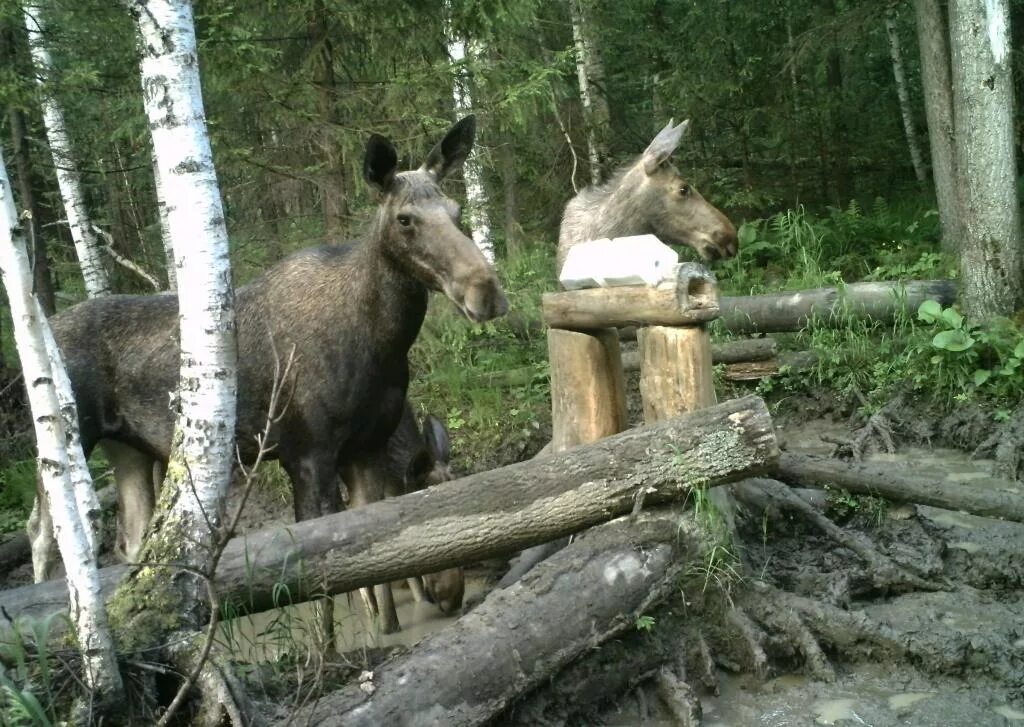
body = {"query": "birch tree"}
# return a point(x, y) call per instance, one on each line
point(165, 232)
point(43, 372)
point(87, 247)
point(460, 53)
point(990, 253)
point(903, 94)
point(150, 605)
point(590, 74)
point(933, 43)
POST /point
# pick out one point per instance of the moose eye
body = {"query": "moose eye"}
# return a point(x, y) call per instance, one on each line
point(685, 190)
point(404, 220)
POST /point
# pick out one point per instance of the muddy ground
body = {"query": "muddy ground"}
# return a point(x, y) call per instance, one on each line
point(953, 655)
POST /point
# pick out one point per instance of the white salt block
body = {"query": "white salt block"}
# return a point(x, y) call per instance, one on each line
point(604, 263)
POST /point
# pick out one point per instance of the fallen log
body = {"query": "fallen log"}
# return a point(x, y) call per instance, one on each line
point(520, 636)
point(754, 370)
point(490, 514)
point(998, 499)
point(831, 306)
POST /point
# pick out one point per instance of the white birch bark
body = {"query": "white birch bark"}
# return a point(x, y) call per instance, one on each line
point(900, 77)
point(590, 74)
point(41, 369)
point(476, 197)
point(200, 467)
point(990, 255)
point(933, 42)
point(165, 233)
point(87, 247)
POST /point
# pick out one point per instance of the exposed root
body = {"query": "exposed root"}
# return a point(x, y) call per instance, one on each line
point(876, 434)
point(753, 637)
point(788, 622)
point(1006, 444)
point(223, 695)
point(678, 697)
point(884, 572)
point(705, 665)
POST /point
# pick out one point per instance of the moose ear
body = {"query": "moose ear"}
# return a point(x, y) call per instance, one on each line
point(380, 163)
point(437, 439)
point(452, 150)
point(661, 148)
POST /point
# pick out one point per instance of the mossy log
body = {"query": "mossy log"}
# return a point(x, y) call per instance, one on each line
point(490, 514)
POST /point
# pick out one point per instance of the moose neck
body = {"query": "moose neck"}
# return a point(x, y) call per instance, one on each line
point(616, 208)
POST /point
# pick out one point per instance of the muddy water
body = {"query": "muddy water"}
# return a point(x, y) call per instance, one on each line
point(268, 636)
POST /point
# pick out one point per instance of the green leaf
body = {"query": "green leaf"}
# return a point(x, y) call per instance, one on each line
point(929, 311)
point(952, 318)
point(981, 376)
point(747, 234)
point(955, 340)
point(1019, 351)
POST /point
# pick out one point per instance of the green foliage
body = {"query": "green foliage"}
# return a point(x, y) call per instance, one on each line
point(489, 383)
point(28, 679)
point(645, 623)
point(17, 492)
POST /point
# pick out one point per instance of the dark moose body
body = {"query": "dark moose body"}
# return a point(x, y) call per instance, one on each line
point(350, 313)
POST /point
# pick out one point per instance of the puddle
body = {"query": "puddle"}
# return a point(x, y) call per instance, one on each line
point(269, 635)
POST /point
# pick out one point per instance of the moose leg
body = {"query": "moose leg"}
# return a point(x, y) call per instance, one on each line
point(368, 480)
point(136, 496)
point(315, 492)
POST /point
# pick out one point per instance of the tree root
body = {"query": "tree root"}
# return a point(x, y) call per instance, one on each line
point(885, 573)
point(1006, 444)
point(678, 697)
point(876, 434)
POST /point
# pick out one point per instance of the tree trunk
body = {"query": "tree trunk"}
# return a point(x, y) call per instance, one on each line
point(991, 257)
point(903, 94)
point(90, 257)
point(509, 178)
point(933, 39)
point(879, 302)
point(199, 470)
point(590, 73)
point(522, 635)
point(167, 242)
point(486, 515)
point(38, 366)
point(332, 176)
point(461, 53)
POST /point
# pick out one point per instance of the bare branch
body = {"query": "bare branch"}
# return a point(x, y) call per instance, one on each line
point(123, 261)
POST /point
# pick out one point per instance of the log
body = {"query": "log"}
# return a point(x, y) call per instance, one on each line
point(675, 371)
point(519, 637)
point(588, 391)
point(726, 352)
point(486, 515)
point(753, 370)
point(999, 499)
point(831, 306)
point(688, 299)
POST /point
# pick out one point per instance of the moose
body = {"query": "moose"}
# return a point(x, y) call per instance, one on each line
point(649, 196)
point(646, 196)
point(421, 460)
point(348, 313)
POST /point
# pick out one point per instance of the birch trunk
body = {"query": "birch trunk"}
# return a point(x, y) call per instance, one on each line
point(87, 247)
point(990, 254)
point(42, 370)
point(590, 73)
point(933, 40)
point(460, 53)
point(201, 460)
point(165, 232)
point(900, 76)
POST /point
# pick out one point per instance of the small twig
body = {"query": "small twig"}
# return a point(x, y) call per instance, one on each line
point(568, 138)
point(123, 261)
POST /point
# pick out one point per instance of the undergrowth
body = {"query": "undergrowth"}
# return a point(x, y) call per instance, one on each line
point(936, 353)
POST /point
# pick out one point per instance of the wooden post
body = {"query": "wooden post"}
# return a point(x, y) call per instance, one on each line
point(588, 393)
point(675, 371)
